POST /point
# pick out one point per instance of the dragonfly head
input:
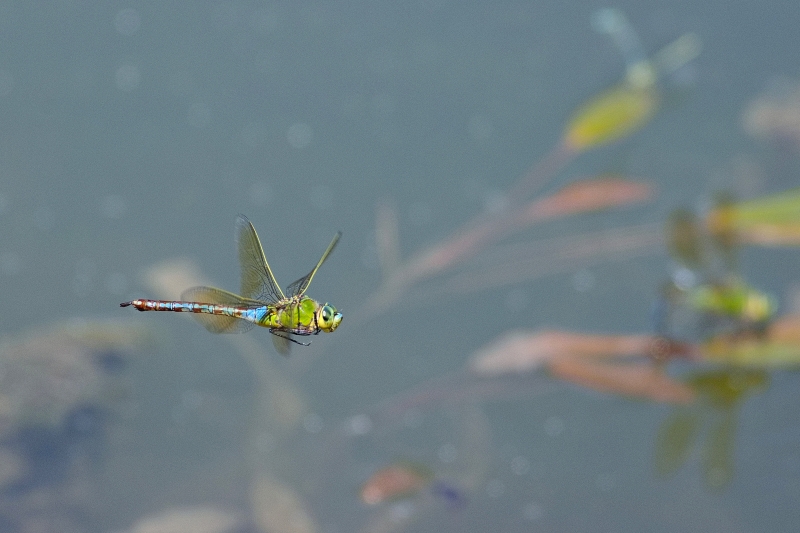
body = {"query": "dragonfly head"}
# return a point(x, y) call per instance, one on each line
point(328, 318)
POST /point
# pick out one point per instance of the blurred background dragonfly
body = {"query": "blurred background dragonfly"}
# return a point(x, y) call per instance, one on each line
point(725, 333)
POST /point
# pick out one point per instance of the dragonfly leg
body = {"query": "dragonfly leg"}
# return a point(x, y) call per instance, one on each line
point(288, 338)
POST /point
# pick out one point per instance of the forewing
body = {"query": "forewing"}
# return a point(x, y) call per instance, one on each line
point(282, 343)
point(299, 287)
point(258, 283)
point(218, 323)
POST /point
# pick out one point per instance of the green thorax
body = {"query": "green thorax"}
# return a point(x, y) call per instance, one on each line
point(295, 314)
point(735, 299)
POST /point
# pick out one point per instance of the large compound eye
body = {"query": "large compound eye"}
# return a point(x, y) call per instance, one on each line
point(326, 316)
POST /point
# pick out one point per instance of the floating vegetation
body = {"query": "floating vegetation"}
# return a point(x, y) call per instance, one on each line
point(604, 119)
point(605, 363)
point(405, 479)
point(395, 481)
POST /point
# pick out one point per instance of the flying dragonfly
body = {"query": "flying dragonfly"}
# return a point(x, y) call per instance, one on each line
point(706, 296)
point(262, 302)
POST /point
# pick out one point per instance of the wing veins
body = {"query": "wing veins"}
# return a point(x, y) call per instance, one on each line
point(258, 282)
point(298, 288)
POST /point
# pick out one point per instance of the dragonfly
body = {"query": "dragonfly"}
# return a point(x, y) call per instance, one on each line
point(261, 301)
point(706, 296)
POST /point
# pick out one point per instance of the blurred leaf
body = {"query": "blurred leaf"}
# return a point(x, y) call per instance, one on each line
point(643, 381)
point(610, 116)
point(522, 351)
point(768, 220)
point(583, 196)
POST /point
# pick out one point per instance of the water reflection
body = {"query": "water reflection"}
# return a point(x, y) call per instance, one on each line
point(719, 396)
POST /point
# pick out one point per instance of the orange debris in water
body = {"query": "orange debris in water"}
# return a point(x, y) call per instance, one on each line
point(393, 482)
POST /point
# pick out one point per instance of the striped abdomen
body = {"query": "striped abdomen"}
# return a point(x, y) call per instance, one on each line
point(249, 314)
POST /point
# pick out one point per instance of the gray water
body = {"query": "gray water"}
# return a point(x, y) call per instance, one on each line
point(134, 133)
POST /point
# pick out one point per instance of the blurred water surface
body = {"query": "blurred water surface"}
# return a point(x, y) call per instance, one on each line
point(134, 133)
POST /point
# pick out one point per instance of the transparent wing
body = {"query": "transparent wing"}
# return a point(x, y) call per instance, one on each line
point(675, 439)
point(718, 464)
point(282, 343)
point(258, 283)
point(299, 287)
point(219, 323)
point(684, 240)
